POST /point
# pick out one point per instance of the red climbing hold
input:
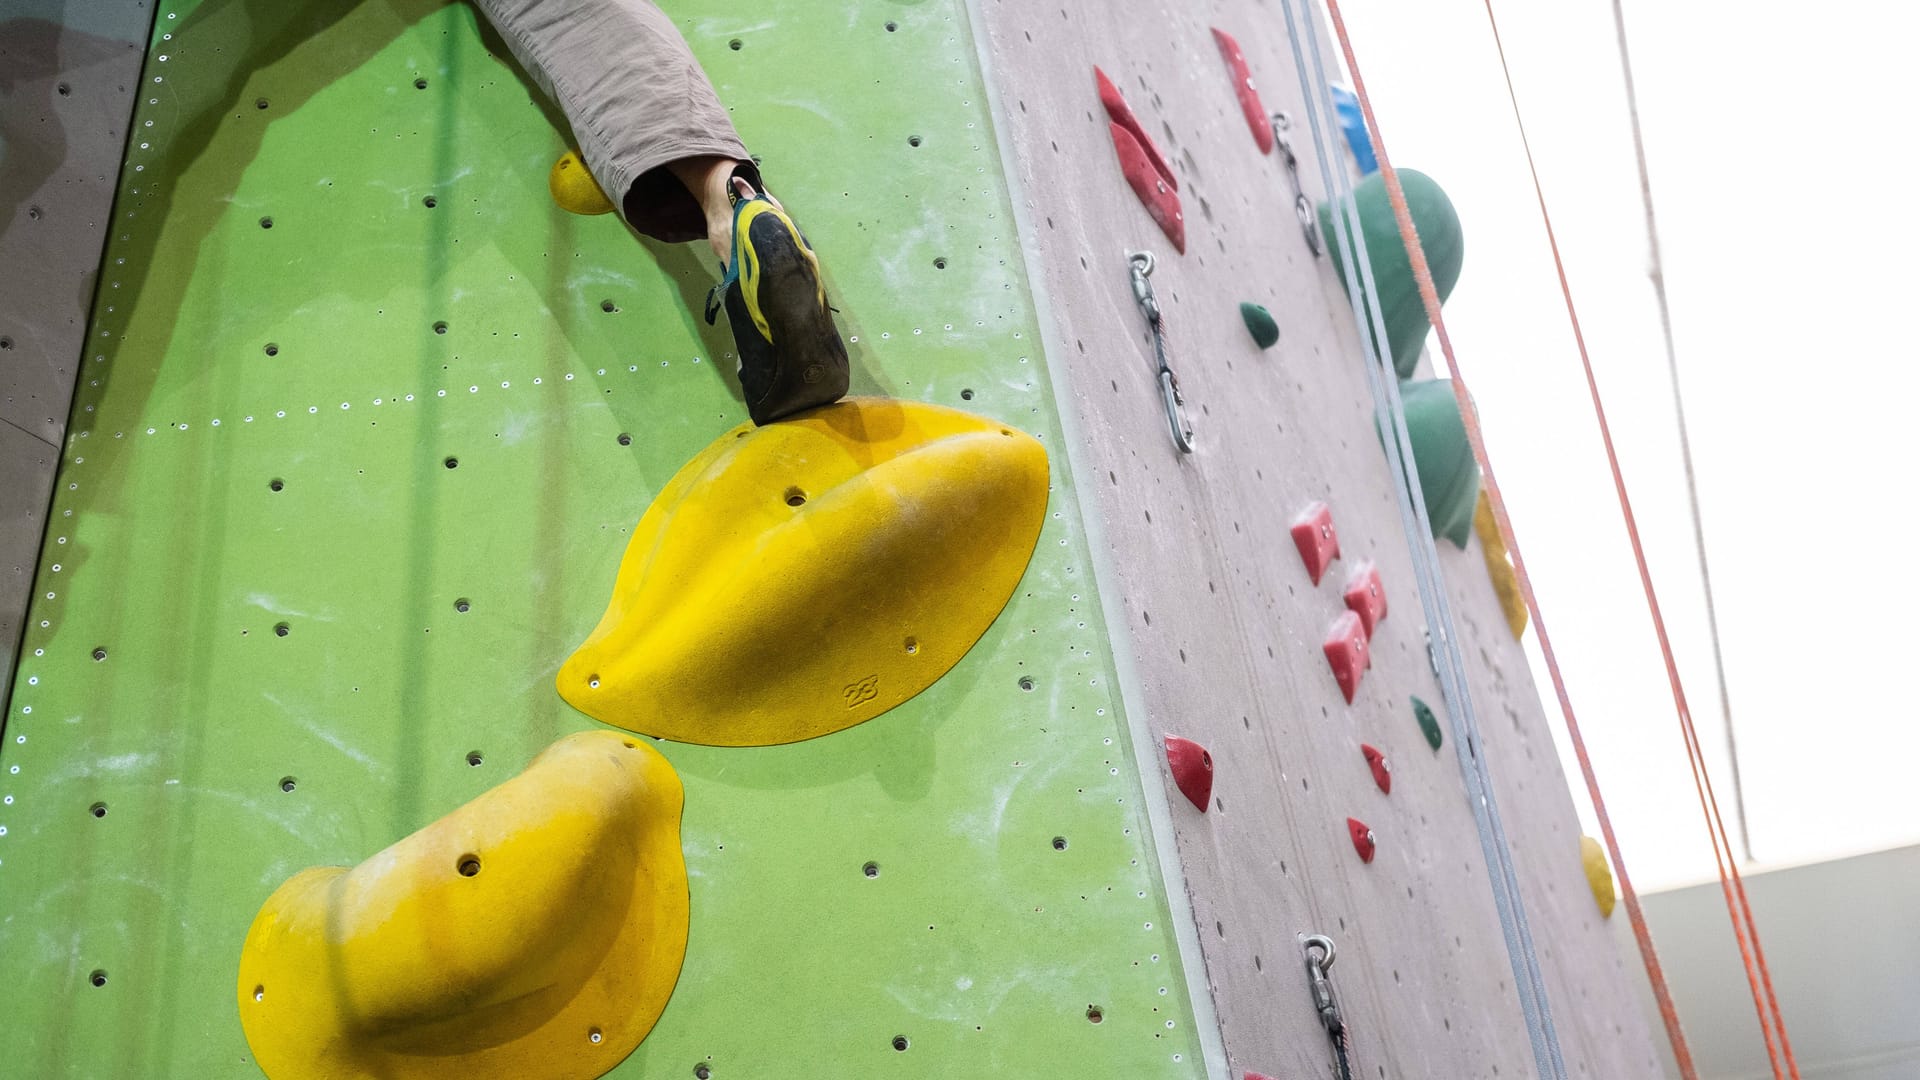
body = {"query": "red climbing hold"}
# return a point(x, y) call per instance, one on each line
point(1192, 769)
point(1151, 187)
point(1313, 534)
point(1251, 1075)
point(1365, 598)
point(1120, 113)
point(1243, 88)
point(1377, 761)
point(1346, 649)
point(1362, 838)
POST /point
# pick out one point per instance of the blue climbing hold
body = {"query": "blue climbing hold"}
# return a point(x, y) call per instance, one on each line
point(1353, 124)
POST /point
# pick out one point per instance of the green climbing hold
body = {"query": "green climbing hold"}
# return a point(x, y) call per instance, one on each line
point(1428, 725)
point(1260, 324)
point(1449, 477)
point(1434, 219)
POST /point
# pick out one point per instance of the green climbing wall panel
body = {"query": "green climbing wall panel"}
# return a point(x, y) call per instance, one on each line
point(346, 482)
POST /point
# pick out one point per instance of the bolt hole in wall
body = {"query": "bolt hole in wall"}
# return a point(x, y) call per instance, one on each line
point(260, 103)
point(912, 645)
point(1026, 682)
point(462, 605)
point(430, 202)
point(796, 497)
point(440, 327)
point(625, 439)
point(259, 993)
point(1095, 1014)
point(609, 306)
point(736, 44)
point(900, 1042)
point(452, 463)
point(276, 484)
point(872, 869)
point(98, 809)
point(271, 349)
point(98, 978)
point(63, 89)
point(913, 140)
point(594, 1036)
point(286, 783)
point(475, 759)
point(468, 866)
point(1059, 843)
point(266, 223)
point(99, 653)
point(701, 1072)
point(940, 263)
point(419, 84)
point(281, 629)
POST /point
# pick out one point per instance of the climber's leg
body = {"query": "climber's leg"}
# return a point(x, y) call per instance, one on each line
point(652, 129)
point(639, 105)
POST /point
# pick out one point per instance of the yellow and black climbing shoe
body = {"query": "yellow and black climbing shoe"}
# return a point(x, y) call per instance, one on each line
point(791, 355)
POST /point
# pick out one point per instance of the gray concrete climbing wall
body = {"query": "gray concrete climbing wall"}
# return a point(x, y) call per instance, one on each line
point(68, 75)
point(1225, 628)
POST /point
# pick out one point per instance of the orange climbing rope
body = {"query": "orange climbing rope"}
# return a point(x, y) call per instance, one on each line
point(1746, 933)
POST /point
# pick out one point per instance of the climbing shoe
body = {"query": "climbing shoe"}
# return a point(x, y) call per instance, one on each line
point(791, 355)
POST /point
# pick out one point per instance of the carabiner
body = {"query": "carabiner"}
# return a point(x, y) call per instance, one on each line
point(1139, 269)
point(1302, 206)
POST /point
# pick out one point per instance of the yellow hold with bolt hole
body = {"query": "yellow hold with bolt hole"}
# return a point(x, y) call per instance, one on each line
point(536, 931)
point(800, 578)
point(574, 188)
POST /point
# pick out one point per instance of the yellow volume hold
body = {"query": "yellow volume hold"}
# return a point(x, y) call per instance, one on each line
point(536, 931)
point(574, 188)
point(800, 578)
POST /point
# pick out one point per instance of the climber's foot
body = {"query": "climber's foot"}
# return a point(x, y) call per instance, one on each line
point(791, 355)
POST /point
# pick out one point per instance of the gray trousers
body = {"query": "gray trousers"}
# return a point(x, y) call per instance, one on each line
point(635, 96)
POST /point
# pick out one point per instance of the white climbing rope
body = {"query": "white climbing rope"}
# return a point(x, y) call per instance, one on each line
point(1656, 274)
point(1443, 643)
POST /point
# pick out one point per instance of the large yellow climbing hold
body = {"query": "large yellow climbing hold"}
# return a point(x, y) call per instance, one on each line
point(536, 931)
point(574, 188)
point(1506, 584)
point(1599, 874)
point(800, 578)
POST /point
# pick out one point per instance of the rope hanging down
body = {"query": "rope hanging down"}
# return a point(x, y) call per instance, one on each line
point(1735, 890)
point(1659, 280)
point(1444, 652)
point(1423, 277)
point(1746, 932)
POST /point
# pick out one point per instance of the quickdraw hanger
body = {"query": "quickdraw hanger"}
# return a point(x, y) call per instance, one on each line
point(1140, 268)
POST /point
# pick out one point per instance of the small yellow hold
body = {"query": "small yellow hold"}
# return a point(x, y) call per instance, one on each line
point(800, 578)
point(1506, 584)
point(574, 188)
point(1599, 874)
point(536, 931)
